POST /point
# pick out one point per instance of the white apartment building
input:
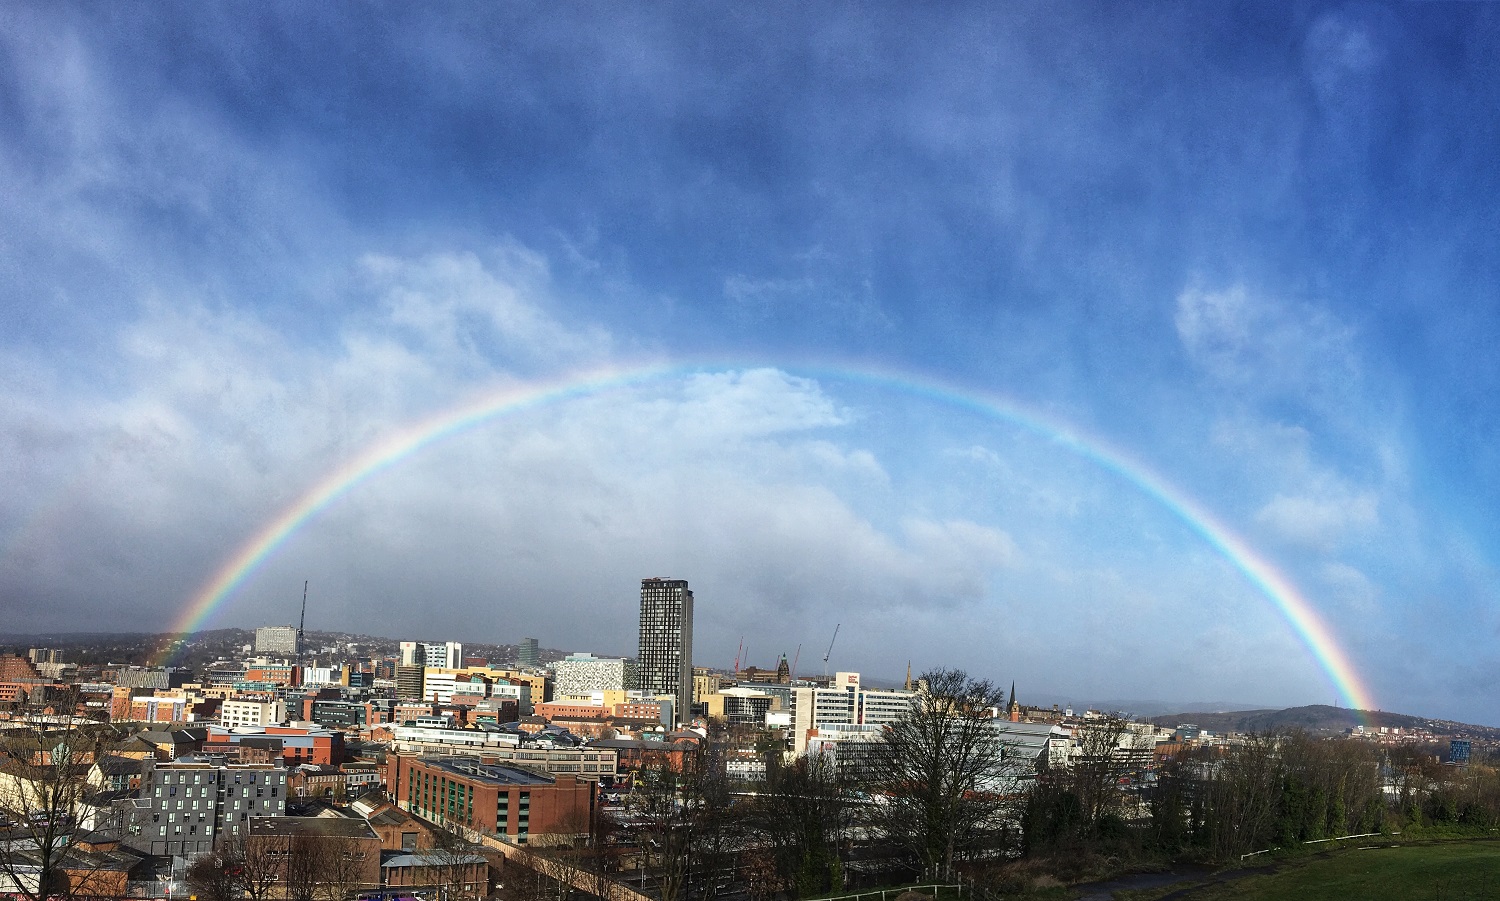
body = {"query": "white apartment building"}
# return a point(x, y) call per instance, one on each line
point(244, 712)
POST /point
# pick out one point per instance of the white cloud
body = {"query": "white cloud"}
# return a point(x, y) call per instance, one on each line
point(1319, 522)
point(1353, 589)
point(479, 314)
point(1267, 347)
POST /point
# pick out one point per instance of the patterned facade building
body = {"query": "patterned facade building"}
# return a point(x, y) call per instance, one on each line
point(580, 675)
point(276, 640)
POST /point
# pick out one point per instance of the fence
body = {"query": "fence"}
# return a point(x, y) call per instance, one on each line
point(1319, 841)
point(886, 893)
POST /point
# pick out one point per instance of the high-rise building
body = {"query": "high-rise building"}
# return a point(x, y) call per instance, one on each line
point(441, 654)
point(276, 640)
point(665, 658)
point(409, 682)
point(528, 654)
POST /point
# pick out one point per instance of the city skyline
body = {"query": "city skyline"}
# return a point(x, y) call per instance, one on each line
point(1061, 345)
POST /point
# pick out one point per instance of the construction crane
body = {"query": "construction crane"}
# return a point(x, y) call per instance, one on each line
point(795, 658)
point(738, 653)
point(303, 620)
point(829, 652)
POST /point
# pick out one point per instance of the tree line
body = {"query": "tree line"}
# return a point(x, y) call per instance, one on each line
point(944, 799)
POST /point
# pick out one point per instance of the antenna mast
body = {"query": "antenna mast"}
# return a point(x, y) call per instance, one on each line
point(303, 620)
point(829, 652)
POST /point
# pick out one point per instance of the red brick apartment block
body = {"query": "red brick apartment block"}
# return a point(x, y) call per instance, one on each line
point(490, 797)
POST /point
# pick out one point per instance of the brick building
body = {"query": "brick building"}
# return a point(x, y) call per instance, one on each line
point(344, 852)
point(491, 797)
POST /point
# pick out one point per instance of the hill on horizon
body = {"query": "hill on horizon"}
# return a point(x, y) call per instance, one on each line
point(1322, 719)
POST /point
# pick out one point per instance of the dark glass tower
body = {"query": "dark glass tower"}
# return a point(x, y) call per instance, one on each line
point(665, 659)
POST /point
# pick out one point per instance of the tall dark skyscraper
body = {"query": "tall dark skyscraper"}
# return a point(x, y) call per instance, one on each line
point(665, 660)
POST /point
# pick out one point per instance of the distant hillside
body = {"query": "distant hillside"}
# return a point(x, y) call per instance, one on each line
point(1321, 718)
point(202, 646)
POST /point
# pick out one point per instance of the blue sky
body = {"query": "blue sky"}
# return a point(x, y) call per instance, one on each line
point(1250, 246)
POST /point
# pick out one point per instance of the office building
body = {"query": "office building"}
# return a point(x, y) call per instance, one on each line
point(410, 682)
point(439, 654)
point(665, 657)
point(844, 702)
point(276, 640)
point(528, 654)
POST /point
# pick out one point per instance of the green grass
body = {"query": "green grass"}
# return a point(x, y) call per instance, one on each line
point(1446, 871)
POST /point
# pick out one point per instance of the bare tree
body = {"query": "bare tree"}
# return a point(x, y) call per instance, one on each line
point(303, 865)
point(43, 783)
point(342, 869)
point(941, 767)
point(449, 866)
point(716, 826)
point(803, 811)
point(664, 803)
point(1097, 770)
point(215, 877)
point(259, 863)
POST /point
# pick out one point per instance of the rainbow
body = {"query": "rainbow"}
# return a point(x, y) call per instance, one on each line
point(1298, 612)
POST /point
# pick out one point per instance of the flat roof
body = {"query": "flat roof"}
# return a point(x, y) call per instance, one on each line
point(339, 827)
point(495, 773)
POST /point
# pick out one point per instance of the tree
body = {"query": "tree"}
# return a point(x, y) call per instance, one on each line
point(941, 769)
point(1095, 775)
point(303, 866)
point(803, 811)
point(448, 864)
point(342, 868)
point(664, 804)
point(44, 768)
point(260, 863)
point(215, 876)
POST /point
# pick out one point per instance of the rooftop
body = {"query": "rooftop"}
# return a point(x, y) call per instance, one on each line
point(494, 773)
point(338, 827)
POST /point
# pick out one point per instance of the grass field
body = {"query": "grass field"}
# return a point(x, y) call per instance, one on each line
point(1448, 871)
